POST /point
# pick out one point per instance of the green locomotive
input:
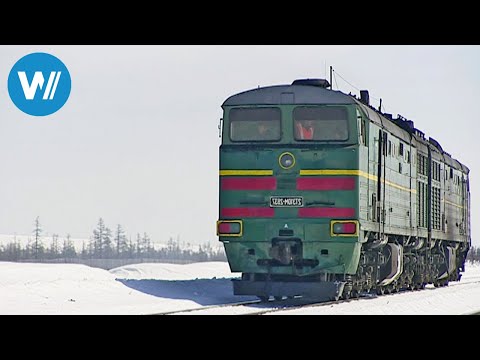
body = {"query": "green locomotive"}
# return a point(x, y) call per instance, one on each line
point(323, 196)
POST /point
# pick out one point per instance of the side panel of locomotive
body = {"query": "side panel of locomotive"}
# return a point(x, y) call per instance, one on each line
point(422, 189)
point(388, 199)
point(416, 205)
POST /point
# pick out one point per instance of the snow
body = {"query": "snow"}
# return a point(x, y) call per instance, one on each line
point(158, 271)
point(30, 288)
point(459, 298)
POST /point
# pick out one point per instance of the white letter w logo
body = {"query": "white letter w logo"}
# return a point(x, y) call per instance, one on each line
point(38, 80)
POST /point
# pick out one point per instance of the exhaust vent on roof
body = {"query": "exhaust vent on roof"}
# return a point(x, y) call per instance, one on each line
point(365, 97)
point(312, 82)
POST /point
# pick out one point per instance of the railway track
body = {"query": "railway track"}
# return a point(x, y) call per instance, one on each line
point(257, 307)
point(208, 307)
point(361, 298)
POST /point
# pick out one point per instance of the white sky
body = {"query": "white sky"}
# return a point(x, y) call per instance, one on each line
point(27, 288)
point(137, 142)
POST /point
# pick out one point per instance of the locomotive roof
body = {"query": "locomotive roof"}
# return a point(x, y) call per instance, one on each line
point(288, 94)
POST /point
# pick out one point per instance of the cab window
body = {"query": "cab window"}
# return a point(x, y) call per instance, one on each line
point(255, 124)
point(320, 123)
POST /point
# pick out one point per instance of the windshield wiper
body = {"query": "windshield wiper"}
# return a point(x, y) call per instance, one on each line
point(320, 203)
point(253, 202)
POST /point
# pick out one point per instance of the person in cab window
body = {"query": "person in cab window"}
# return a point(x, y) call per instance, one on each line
point(305, 129)
point(265, 131)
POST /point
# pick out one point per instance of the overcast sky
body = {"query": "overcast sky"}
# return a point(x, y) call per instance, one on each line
point(137, 141)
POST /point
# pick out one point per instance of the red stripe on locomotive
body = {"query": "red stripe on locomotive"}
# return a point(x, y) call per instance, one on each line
point(326, 183)
point(249, 183)
point(247, 212)
point(325, 212)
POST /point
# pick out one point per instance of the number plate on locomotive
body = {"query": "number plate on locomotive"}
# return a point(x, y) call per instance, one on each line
point(286, 201)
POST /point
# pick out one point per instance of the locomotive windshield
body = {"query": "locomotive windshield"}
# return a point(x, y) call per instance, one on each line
point(320, 123)
point(255, 124)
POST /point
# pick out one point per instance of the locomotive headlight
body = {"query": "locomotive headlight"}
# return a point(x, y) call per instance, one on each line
point(229, 228)
point(286, 160)
point(344, 228)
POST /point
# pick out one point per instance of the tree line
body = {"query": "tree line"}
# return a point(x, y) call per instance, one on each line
point(106, 244)
point(473, 254)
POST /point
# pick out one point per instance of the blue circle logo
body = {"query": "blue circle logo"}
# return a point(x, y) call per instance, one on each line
point(39, 84)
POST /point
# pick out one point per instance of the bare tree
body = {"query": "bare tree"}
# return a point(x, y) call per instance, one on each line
point(139, 246)
point(54, 250)
point(37, 232)
point(69, 251)
point(102, 241)
point(120, 241)
point(131, 248)
point(147, 245)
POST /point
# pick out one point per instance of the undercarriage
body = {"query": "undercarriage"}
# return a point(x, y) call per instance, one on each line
point(385, 267)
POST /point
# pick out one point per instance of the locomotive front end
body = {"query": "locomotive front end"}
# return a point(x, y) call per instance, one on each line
point(289, 192)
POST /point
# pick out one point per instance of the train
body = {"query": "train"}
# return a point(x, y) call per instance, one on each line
point(322, 195)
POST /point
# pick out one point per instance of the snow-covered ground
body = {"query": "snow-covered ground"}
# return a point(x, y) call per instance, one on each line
point(459, 298)
point(28, 288)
